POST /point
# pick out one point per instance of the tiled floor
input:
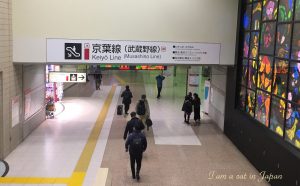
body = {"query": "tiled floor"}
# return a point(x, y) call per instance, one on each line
point(177, 154)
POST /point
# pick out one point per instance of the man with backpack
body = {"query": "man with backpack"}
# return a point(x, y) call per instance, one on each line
point(142, 109)
point(137, 144)
point(133, 123)
point(126, 95)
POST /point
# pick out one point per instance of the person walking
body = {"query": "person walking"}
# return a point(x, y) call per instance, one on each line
point(197, 104)
point(142, 109)
point(187, 107)
point(126, 95)
point(159, 80)
point(98, 79)
point(134, 122)
point(190, 95)
point(137, 144)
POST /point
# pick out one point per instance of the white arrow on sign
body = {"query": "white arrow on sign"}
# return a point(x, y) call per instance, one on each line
point(62, 77)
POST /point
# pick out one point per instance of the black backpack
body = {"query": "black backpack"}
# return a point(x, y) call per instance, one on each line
point(138, 124)
point(136, 145)
point(141, 109)
point(127, 95)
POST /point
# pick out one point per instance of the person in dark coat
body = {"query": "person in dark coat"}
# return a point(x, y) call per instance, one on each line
point(134, 122)
point(196, 104)
point(98, 79)
point(190, 95)
point(126, 95)
point(137, 144)
point(159, 80)
point(144, 113)
point(187, 107)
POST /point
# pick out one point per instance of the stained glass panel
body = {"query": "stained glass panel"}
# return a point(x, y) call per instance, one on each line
point(254, 45)
point(242, 98)
point(280, 78)
point(244, 72)
point(285, 10)
point(296, 42)
point(246, 44)
point(267, 40)
point(292, 124)
point(294, 83)
point(262, 107)
point(269, 75)
point(252, 71)
point(256, 15)
point(264, 80)
point(283, 40)
point(297, 13)
point(250, 102)
point(247, 18)
point(277, 115)
point(270, 10)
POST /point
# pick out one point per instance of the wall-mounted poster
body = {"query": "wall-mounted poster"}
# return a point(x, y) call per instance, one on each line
point(194, 80)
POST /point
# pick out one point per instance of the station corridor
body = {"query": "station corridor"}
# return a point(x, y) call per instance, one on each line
point(83, 144)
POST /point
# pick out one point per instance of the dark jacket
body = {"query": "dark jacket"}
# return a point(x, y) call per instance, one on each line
point(131, 137)
point(190, 98)
point(197, 103)
point(134, 122)
point(159, 80)
point(98, 77)
point(126, 95)
point(187, 106)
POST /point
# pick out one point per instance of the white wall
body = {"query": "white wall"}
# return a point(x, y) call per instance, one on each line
point(34, 97)
point(218, 95)
point(147, 20)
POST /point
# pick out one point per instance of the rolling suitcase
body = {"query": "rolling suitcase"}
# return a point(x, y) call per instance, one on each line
point(120, 109)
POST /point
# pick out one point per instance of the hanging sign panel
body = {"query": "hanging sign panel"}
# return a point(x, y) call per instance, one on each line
point(60, 77)
point(131, 52)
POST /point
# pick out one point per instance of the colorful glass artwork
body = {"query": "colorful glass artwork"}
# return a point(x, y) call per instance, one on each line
point(242, 98)
point(283, 40)
point(277, 115)
point(262, 107)
point(247, 18)
point(254, 45)
point(256, 15)
point(269, 71)
point(296, 42)
point(270, 9)
point(285, 10)
point(267, 40)
point(280, 78)
point(264, 80)
point(297, 13)
point(250, 102)
point(244, 72)
point(294, 83)
point(246, 44)
point(252, 71)
point(292, 124)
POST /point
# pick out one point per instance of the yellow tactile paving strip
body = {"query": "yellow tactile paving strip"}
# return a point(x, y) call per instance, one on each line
point(82, 165)
point(120, 80)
